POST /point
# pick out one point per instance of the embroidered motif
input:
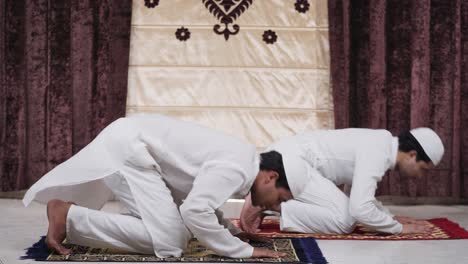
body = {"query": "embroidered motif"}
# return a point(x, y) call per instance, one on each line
point(227, 11)
point(269, 36)
point(182, 34)
point(151, 3)
point(302, 6)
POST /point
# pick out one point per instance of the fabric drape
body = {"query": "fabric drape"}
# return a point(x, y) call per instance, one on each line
point(63, 77)
point(404, 64)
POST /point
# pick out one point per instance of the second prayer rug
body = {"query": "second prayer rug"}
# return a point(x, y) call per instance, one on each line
point(297, 250)
point(442, 228)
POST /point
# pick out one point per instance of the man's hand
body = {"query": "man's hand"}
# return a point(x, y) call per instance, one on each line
point(419, 228)
point(246, 237)
point(260, 252)
point(251, 217)
point(263, 252)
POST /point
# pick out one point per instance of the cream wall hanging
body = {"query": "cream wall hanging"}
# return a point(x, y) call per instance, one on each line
point(255, 69)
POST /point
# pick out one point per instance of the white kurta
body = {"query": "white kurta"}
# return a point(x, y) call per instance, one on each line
point(357, 157)
point(201, 167)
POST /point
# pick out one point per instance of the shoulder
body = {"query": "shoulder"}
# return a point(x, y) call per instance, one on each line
point(368, 135)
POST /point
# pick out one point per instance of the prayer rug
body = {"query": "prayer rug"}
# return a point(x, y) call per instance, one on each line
point(298, 250)
point(442, 228)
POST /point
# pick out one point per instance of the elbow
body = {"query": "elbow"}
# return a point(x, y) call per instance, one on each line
point(186, 213)
point(357, 211)
point(193, 215)
point(363, 211)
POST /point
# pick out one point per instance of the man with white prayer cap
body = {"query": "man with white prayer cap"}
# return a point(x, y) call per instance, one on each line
point(355, 157)
point(172, 176)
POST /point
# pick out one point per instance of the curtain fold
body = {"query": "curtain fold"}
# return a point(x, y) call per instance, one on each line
point(403, 64)
point(64, 67)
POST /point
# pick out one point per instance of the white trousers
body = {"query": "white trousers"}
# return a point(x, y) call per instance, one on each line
point(100, 229)
point(321, 208)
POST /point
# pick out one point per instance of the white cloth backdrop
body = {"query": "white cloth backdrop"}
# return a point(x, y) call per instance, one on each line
point(241, 85)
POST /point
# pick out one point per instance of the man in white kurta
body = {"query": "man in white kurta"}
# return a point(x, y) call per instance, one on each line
point(357, 158)
point(171, 175)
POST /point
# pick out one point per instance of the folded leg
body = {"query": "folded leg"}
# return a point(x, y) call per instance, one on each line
point(321, 208)
point(93, 228)
point(155, 205)
point(146, 196)
point(88, 227)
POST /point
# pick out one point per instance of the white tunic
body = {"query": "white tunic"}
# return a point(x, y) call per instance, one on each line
point(201, 167)
point(357, 157)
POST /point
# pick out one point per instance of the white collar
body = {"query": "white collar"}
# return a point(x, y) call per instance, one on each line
point(256, 170)
point(393, 153)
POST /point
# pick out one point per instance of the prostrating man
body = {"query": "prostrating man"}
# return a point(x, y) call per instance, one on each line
point(357, 157)
point(172, 176)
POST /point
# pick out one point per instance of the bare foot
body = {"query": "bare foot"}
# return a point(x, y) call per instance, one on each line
point(57, 211)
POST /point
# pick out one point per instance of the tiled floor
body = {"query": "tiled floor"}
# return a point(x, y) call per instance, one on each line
point(20, 227)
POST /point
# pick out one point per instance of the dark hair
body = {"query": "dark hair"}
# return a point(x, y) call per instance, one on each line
point(273, 161)
point(407, 142)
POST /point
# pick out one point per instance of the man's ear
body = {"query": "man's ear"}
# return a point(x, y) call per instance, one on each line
point(273, 175)
point(413, 153)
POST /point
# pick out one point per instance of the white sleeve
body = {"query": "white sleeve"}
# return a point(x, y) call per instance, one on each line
point(367, 172)
point(383, 208)
point(215, 183)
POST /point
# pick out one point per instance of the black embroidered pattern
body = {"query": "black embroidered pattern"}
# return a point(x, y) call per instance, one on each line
point(227, 11)
point(182, 34)
point(302, 6)
point(269, 36)
point(151, 3)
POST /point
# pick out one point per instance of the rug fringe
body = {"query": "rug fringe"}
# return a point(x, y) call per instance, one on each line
point(38, 251)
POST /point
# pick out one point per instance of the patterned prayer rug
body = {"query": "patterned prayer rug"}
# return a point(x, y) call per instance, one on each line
point(298, 250)
point(442, 228)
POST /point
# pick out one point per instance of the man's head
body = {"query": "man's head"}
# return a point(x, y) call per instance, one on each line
point(419, 150)
point(271, 186)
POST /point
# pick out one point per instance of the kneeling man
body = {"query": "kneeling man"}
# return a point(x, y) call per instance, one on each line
point(356, 157)
point(172, 176)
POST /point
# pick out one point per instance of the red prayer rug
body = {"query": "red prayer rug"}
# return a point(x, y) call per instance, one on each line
point(442, 228)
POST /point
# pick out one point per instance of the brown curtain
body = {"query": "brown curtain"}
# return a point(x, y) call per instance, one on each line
point(63, 78)
point(404, 64)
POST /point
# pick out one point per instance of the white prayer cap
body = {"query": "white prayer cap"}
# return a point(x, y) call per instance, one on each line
point(295, 167)
point(430, 143)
